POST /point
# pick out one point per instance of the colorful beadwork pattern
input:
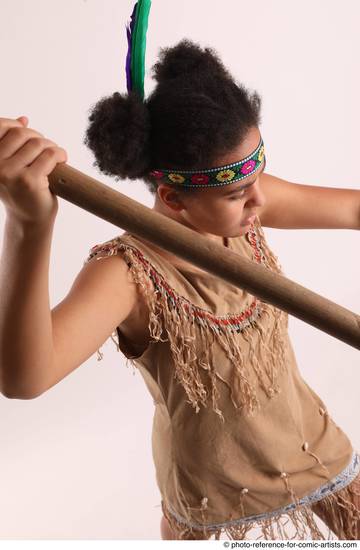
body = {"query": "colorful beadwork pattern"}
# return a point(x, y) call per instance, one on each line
point(212, 177)
point(235, 322)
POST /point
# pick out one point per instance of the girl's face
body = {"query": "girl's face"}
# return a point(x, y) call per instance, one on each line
point(218, 211)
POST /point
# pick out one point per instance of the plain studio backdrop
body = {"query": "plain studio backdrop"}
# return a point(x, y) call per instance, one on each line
point(76, 462)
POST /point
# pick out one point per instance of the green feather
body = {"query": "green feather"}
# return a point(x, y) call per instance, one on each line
point(138, 45)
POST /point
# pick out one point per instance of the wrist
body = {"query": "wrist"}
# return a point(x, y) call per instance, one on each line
point(25, 228)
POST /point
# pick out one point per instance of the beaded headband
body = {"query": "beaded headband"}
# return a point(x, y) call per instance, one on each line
point(135, 70)
point(212, 177)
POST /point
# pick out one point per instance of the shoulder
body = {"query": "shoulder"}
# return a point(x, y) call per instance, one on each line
point(123, 272)
point(108, 271)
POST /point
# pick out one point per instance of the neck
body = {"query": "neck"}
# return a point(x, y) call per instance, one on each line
point(176, 215)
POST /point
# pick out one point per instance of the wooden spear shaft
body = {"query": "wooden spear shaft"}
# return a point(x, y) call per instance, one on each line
point(106, 203)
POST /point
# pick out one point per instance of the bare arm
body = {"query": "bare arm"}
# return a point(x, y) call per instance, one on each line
point(39, 347)
point(25, 319)
point(297, 206)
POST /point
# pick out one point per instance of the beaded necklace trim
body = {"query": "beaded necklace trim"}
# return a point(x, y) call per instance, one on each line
point(235, 321)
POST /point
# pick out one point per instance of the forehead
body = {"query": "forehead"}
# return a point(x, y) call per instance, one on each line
point(244, 183)
point(242, 152)
point(232, 188)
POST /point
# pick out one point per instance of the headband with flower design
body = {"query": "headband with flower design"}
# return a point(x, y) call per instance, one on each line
point(212, 177)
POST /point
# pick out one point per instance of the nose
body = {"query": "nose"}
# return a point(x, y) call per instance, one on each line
point(256, 198)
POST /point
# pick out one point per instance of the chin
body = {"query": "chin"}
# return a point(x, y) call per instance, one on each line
point(237, 233)
point(244, 229)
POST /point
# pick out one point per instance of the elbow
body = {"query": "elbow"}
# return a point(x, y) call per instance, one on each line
point(15, 392)
point(19, 395)
point(18, 388)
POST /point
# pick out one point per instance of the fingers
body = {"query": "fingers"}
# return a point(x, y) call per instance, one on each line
point(7, 123)
point(24, 120)
point(22, 147)
point(14, 139)
point(26, 159)
point(45, 163)
point(29, 152)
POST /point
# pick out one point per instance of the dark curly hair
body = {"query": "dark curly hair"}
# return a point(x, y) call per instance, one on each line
point(196, 113)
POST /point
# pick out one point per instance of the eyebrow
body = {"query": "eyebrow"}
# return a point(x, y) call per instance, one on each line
point(233, 191)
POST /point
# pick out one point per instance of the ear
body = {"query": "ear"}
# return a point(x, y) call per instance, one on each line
point(170, 197)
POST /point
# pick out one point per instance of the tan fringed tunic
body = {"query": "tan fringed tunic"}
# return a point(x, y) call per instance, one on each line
point(239, 439)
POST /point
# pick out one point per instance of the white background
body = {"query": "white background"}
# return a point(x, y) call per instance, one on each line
point(76, 462)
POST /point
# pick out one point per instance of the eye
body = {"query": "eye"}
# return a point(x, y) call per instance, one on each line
point(237, 197)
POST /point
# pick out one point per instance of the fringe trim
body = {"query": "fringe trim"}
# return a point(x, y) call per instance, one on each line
point(340, 511)
point(192, 332)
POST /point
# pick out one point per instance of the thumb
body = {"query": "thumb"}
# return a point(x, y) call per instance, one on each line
point(23, 119)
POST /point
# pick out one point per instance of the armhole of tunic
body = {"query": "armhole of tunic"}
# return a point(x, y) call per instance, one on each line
point(139, 275)
point(127, 348)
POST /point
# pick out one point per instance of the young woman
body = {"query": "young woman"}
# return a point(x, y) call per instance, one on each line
point(239, 438)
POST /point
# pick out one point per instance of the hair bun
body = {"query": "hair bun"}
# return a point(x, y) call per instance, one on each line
point(187, 57)
point(119, 134)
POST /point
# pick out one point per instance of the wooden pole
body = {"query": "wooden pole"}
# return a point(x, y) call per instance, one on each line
point(128, 214)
